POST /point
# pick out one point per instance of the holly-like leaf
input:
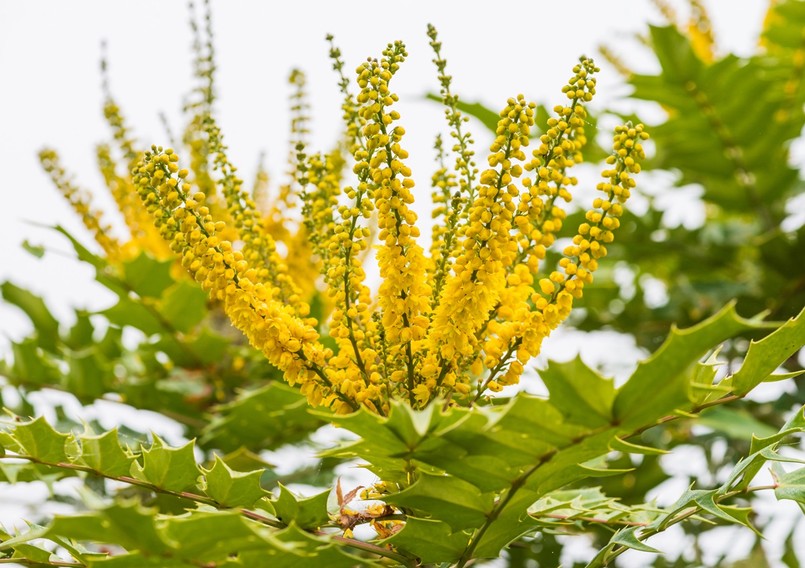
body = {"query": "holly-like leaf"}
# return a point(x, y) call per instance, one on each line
point(660, 385)
point(125, 524)
point(581, 394)
point(39, 440)
point(461, 504)
point(233, 488)
point(105, 455)
point(431, 541)
point(173, 469)
point(764, 356)
point(790, 484)
point(304, 512)
point(261, 419)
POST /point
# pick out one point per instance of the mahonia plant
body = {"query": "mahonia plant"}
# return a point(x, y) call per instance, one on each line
point(493, 309)
point(412, 367)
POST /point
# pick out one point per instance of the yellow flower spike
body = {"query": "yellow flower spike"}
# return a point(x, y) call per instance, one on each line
point(487, 247)
point(560, 149)
point(79, 200)
point(259, 248)
point(453, 204)
point(144, 236)
point(288, 343)
point(553, 305)
point(403, 293)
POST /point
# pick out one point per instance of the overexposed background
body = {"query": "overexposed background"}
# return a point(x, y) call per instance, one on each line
point(50, 95)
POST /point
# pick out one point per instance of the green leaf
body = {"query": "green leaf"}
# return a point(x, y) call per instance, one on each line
point(660, 384)
point(32, 365)
point(173, 469)
point(790, 485)
point(38, 439)
point(207, 537)
point(183, 305)
point(105, 455)
point(627, 537)
point(305, 512)
point(147, 276)
point(87, 374)
point(735, 423)
point(460, 504)
point(261, 419)
point(46, 326)
point(130, 312)
point(581, 394)
point(431, 541)
point(126, 524)
point(764, 356)
point(233, 488)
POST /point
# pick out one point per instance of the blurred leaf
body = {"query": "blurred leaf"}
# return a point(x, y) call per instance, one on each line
point(147, 276)
point(47, 327)
point(183, 305)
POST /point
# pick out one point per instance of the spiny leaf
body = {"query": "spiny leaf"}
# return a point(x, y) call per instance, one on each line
point(105, 455)
point(431, 541)
point(173, 469)
point(126, 524)
point(461, 504)
point(660, 385)
point(580, 393)
point(261, 419)
point(764, 356)
point(627, 537)
point(305, 512)
point(790, 484)
point(233, 488)
point(38, 439)
point(212, 536)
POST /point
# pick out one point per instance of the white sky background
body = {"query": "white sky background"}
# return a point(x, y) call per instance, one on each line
point(50, 90)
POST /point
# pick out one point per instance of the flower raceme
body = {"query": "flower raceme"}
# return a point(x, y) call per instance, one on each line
point(452, 324)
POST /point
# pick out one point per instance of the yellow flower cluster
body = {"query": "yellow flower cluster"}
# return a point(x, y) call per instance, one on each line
point(537, 220)
point(487, 250)
point(451, 325)
point(403, 294)
point(259, 248)
point(289, 343)
point(79, 200)
point(454, 205)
